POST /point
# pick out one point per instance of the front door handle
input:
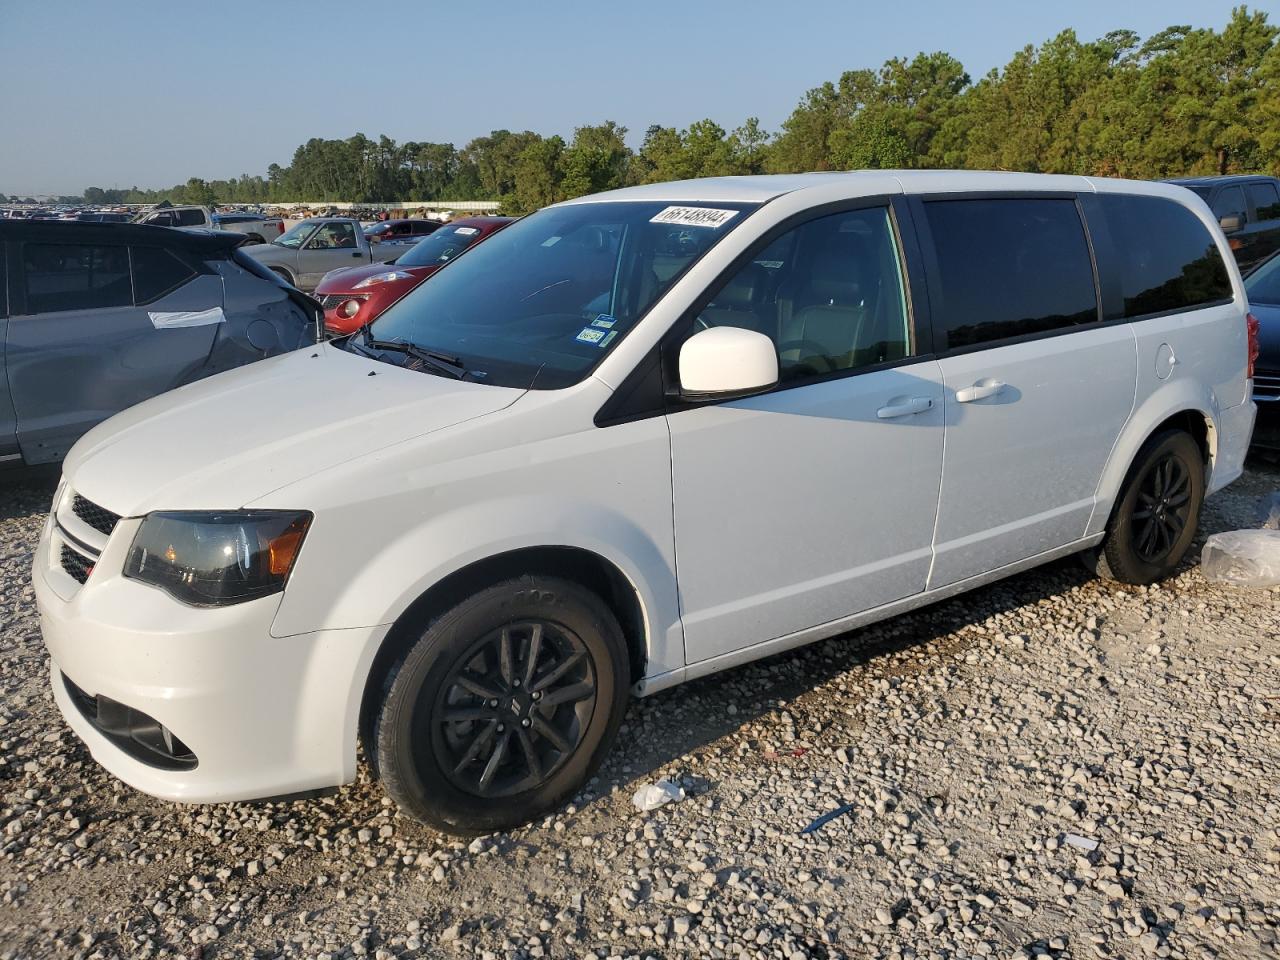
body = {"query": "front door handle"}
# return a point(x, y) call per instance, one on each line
point(904, 407)
point(986, 387)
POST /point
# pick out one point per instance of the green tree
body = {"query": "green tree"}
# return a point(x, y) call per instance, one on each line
point(596, 160)
point(539, 176)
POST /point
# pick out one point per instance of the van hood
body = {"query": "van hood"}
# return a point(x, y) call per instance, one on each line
point(226, 441)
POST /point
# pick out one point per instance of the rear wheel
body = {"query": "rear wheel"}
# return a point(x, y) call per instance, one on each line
point(284, 275)
point(254, 238)
point(1156, 517)
point(503, 707)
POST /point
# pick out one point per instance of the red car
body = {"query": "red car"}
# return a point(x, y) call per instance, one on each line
point(354, 296)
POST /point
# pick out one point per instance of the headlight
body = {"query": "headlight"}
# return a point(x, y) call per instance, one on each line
point(383, 278)
point(215, 558)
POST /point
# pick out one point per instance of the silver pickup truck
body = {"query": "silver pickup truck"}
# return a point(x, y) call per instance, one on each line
point(257, 228)
point(311, 248)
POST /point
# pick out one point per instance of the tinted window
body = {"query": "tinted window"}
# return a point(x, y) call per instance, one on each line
point(1263, 284)
point(4, 285)
point(156, 272)
point(64, 276)
point(190, 218)
point(1229, 203)
point(828, 293)
point(165, 219)
point(1009, 268)
point(1166, 257)
point(1265, 200)
point(441, 246)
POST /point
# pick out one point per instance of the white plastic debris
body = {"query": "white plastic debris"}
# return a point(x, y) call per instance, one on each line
point(1243, 558)
point(1082, 843)
point(655, 795)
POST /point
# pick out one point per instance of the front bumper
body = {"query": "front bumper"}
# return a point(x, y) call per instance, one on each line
point(264, 716)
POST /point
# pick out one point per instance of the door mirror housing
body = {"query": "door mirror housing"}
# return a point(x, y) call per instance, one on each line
point(723, 363)
point(1231, 222)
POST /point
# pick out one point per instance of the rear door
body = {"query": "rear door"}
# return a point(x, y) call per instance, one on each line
point(98, 328)
point(1037, 387)
point(332, 247)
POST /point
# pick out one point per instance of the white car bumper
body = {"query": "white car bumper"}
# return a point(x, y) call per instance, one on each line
point(1235, 425)
point(264, 716)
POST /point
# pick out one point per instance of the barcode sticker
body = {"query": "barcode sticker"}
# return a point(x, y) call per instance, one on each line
point(695, 217)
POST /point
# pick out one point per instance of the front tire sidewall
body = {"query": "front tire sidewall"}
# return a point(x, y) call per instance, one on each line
point(415, 779)
point(1119, 559)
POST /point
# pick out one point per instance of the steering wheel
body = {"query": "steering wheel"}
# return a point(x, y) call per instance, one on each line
point(817, 352)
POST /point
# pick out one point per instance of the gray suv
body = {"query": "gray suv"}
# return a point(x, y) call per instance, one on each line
point(97, 317)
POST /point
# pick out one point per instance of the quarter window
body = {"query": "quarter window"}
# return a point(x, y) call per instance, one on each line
point(1266, 203)
point(65, 276)
point(828, 293)
point(1166, 257)
point(157, 272)
point(1009, 268)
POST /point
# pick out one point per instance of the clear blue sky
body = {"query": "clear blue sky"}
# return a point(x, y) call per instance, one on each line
point(150, 92)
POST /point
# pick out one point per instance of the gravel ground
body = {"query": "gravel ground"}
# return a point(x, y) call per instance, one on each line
point(983, 747)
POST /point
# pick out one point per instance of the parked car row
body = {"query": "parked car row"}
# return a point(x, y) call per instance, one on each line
point(254, 226)
point(627, 441)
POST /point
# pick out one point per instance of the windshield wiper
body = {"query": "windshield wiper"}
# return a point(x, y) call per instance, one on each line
point(440, 362)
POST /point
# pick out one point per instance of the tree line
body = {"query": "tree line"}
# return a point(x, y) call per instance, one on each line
point(1184, 101)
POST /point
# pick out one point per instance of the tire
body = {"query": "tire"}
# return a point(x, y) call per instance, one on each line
point(488, 751)
point(284, 275)
point(1155, 520)
point(254, 238)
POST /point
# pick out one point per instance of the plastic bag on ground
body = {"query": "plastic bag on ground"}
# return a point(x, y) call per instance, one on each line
point(1243, 558)
point(654, 795)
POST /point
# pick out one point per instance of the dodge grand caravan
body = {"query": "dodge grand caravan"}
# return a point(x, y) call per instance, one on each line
point(630, 440)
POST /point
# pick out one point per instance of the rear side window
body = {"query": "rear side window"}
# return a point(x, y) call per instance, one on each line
point(66, 276)
point(1009, 268)
point(1266, 202)
point(1166, 257)
point(190, 218)
point(156, 272)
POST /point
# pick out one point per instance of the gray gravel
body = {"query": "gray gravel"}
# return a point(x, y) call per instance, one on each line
point(983, 747)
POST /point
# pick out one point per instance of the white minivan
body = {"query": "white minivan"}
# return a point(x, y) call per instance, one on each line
point(630, 440)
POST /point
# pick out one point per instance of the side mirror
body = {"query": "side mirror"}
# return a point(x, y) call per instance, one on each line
point(1231, 223)
point(723, 363)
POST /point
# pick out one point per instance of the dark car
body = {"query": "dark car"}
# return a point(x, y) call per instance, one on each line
point(95, 317)
point(1263, 289)
point(353, 297)
point(1248, 210)
point(401, 229)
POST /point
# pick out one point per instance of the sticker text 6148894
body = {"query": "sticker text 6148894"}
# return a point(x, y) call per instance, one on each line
point(694, 216)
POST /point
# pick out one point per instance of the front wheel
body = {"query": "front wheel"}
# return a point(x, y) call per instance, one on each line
point(1156, 517)
point(503, 707)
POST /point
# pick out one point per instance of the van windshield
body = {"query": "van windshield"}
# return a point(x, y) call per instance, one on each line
point(540, 303)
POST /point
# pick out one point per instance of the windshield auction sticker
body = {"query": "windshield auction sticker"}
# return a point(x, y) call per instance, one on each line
point(695, 217)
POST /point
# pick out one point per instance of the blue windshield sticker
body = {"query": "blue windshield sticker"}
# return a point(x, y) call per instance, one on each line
point(604, 321)
point(587, 335)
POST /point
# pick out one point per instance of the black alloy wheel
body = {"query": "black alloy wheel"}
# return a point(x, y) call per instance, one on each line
point(502, 707)
point(1163, 508)
point(514, 708)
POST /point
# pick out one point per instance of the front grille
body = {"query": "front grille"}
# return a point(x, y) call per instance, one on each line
point(1266, 383)
point(329, 301)
point(100, 518)
point(77, 566)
